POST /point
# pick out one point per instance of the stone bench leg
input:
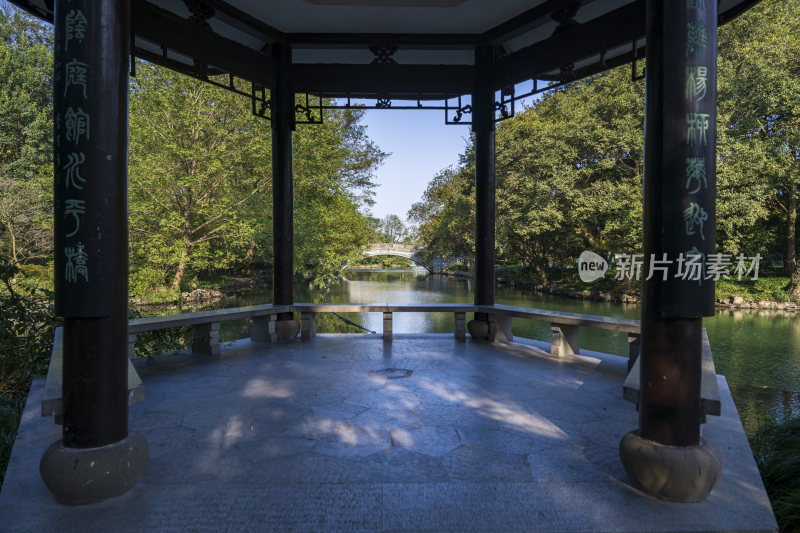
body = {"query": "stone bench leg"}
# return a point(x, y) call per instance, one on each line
point(308, 329)
point(500, 328)
point(205, 339)
point(565, 340)
point(634, 348)
point(461, 326)
point(263, 329)
point(131, 346)
point(387, 326)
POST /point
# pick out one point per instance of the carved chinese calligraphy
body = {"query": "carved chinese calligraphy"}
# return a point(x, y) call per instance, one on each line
point(75, 27)
point(688, 167)
point(75, 75)
point(81, 205)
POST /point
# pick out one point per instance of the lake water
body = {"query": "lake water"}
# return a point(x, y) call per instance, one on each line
point(757, 351)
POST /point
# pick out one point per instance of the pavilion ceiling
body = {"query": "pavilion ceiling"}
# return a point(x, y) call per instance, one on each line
point(400, 49)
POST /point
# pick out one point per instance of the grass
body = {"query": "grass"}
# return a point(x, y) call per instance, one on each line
point(763, 288)
point(776, 448)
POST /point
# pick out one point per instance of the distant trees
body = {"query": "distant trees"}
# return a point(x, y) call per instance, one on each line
point(392, 229)
point(569, 168)
point(445, 218)
point(759, 139)
point(569, 173)
point(199, 172)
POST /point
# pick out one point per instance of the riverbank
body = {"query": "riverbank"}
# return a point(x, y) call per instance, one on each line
point(765, 293)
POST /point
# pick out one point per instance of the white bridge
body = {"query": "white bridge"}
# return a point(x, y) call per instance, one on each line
point(418, 254)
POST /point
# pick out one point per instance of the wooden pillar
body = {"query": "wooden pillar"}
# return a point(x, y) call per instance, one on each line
point(679, 215)
point(283, 124)
point(483, 127)
point(91, 219)
point(679, 219)
point(92, 40)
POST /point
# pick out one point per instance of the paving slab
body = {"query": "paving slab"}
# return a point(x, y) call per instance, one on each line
point(351, 433)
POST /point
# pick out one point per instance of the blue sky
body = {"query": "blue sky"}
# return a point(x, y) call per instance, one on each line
point(420, 145)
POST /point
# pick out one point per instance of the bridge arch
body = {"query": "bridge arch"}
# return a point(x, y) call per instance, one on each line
point(417, 254)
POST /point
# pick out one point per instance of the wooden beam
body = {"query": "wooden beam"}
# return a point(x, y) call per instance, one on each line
point(522, 22)
point(244, 22)
point(419, 41)
point(166, 29)
point(382, 79)
point(573, 44)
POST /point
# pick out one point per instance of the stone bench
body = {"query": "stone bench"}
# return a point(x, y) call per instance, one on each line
point(53, 403)
point(565, 327)
point(709, 390)
point(205, 325)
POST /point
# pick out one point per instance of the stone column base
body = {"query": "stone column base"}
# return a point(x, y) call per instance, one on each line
point(478, 329)
point(79, 476)
point(286, 330)
point(674, 473)
point(495, 329)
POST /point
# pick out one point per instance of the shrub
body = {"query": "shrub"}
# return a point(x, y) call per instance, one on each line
point(27, 326)
point(457, 267)
point(776, 448)
point(147, 285)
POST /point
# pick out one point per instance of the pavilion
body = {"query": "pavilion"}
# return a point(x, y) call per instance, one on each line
point(469, 58)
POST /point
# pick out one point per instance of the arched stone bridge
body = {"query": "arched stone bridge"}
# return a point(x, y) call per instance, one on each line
point(418, 254)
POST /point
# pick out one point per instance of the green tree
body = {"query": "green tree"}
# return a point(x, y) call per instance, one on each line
point(199, 173)
point(26, 127)
point(570, 171)
point(201, 176)
point(445, 218)
point(334, 165)
point(759, 102)
point(393, 229)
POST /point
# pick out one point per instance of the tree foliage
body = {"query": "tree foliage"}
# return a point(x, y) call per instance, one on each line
point(25, 137)
point(568, 177)
point(569, 168)
point(759, 139)
point(334, 165)
point(201, 183)
point(445, 218)
point(200, 173)
point(392, 229)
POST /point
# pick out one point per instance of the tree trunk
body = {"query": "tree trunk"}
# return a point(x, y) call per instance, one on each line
point(790, 262)
point(794, 285)
point(14, 258)
point(176, 281)
point(248, 258)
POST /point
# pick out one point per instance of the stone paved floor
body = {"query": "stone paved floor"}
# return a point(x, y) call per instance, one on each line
point(350, 433)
